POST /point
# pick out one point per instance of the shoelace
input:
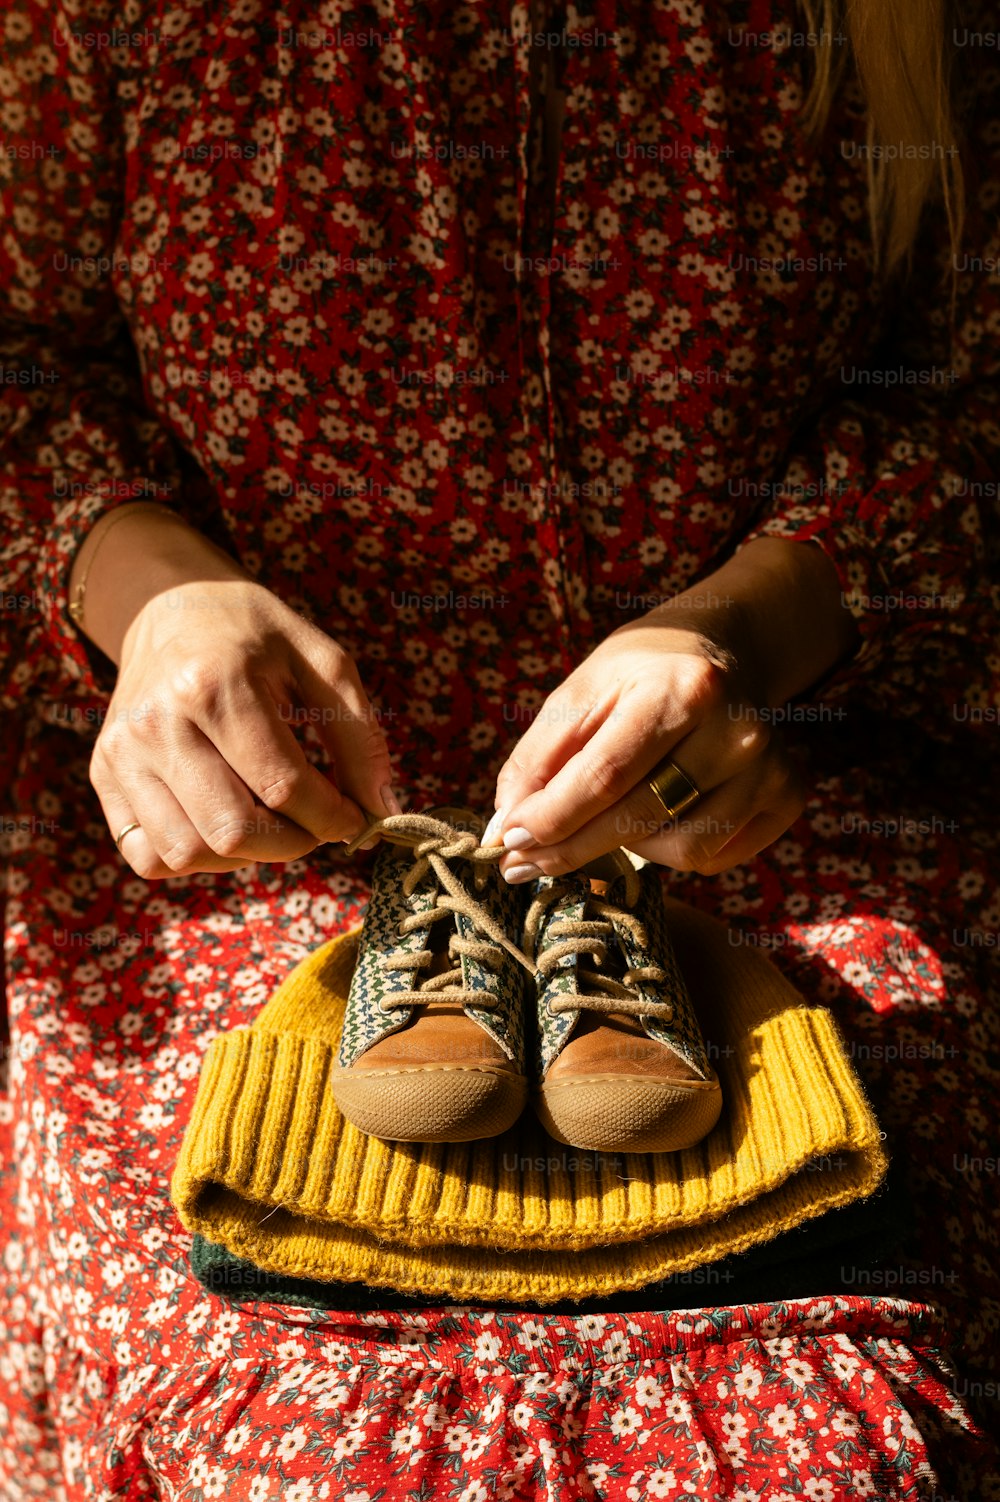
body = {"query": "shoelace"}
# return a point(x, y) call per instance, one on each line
point(434, 844)
point(592, 935)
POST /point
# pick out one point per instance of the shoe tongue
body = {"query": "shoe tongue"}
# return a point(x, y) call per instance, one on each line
point(435, 936)
point(438, 943)
point(614, 963)
point(473, 876)
point(603, 880)
point(577, 889)
point(614, 877)
point(611, 878)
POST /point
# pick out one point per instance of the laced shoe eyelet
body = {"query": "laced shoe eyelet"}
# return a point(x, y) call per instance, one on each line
point(430, 897)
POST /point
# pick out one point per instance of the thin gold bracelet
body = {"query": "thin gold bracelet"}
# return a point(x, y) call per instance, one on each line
point(76, 604)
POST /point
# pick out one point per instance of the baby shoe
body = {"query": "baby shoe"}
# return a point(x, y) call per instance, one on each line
point(433, 1041)
point(621, 1062)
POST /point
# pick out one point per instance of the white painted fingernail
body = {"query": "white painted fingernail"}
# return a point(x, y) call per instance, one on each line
point(519, 839)
point(390, 802)
point(491, 834)
point(514, 875)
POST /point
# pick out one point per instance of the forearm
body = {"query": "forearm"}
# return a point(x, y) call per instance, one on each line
point(779, 604)
point(131, 555)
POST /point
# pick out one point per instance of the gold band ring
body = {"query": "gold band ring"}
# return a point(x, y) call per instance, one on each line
point(127, 830)
point(673, 788)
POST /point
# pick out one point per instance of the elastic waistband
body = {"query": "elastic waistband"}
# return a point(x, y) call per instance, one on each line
point(452, 1337)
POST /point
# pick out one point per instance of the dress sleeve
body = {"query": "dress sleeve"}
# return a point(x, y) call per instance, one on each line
point(75, 436)
point(898, 480)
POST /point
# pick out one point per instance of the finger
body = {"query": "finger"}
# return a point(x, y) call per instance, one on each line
point(221, 808)
point(691, 843)
point(563, 725)
point(594, 693)
point(628, 745)
point(349, 730)
point(159, 847)
point(178, 845)
point(748, 769)
point(735, 824)
point(243, 721)
point(119, 813)
point(754, 837)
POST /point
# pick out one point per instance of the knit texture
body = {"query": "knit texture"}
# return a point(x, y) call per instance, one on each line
point(270, 1170)
point(833, 1253)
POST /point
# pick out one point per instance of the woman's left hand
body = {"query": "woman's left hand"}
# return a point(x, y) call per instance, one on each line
point(695, 680)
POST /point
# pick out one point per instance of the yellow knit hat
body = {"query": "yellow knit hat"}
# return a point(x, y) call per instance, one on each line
point(270, 1170)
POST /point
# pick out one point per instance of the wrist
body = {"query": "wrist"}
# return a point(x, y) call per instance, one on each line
point(130, 557)
point(802, 625)
point(776, 606)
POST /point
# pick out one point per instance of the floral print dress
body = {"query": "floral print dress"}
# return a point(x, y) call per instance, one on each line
point(305, 274)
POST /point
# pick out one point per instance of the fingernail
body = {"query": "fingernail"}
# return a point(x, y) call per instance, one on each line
point(491, 834)
point(519, 839)
point(515, 874)
point(390, 802)
point(370, 844)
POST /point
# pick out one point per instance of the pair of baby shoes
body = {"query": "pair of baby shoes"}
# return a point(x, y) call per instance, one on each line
point(471, 996)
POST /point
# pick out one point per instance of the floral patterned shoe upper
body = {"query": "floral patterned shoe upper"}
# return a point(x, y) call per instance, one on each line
point(622, 1065)
point(433, 1042)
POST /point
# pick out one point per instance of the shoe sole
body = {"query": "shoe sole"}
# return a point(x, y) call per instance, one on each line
point(430, 1104)
point(628, 1114)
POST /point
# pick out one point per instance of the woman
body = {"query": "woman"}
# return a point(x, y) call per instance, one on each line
point(466, 337)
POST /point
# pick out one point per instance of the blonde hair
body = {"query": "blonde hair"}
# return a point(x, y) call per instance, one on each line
point(901, 51)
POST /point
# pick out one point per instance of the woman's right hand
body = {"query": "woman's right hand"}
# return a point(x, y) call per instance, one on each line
point(198, 746)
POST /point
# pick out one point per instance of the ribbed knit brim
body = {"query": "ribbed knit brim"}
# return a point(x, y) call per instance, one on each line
point(269, 1169)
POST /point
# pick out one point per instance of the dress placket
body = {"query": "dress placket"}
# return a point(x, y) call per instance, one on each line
point(519, 34)
point(542, 66)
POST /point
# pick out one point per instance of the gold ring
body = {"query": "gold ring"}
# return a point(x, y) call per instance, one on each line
point(127, 830)
point(673, 788)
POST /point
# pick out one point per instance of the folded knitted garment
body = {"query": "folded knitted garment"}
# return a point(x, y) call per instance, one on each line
point(270, 1170)
point(839, 1252)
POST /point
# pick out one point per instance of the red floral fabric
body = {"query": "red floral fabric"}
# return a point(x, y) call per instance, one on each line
point(291, 271)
